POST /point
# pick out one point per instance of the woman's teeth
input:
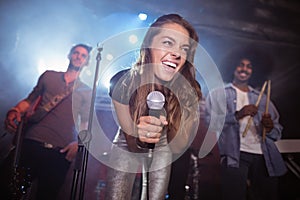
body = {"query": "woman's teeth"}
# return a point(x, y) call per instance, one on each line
point(170, 64)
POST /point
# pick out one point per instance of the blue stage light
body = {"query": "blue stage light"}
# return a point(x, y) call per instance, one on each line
point(143, 16)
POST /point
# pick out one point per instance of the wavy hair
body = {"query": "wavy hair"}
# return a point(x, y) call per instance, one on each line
point(180, 92)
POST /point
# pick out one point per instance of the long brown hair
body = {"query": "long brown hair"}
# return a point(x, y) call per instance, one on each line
point(180, 92)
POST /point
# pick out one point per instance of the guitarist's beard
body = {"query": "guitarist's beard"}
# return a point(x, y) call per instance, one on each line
point(71, 67)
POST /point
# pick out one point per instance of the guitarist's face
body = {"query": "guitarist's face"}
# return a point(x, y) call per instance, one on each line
point(78, 58)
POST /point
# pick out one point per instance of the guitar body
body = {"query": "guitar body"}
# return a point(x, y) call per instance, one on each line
point(21, 179)
point(20, 183)
point(15, 179)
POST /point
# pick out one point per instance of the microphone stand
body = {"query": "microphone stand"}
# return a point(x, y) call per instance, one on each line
point(82, 153)
point(155, 103)
point(147, 165)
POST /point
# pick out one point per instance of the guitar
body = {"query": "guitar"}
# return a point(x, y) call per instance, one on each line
point(20, 176)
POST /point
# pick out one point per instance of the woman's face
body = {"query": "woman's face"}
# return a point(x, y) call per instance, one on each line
point(169, 50)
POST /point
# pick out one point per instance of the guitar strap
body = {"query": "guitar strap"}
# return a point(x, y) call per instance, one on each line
point(41, 112)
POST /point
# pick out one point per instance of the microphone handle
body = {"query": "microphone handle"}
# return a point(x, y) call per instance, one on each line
point(150, 145)
point(154, 113)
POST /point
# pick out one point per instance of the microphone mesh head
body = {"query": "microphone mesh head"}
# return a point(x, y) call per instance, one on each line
point(155, 100)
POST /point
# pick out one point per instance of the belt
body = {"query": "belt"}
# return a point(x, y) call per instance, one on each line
point(48, 145)
point(43, 144)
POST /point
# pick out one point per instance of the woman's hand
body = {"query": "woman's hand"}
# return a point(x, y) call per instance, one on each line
point(150, 128)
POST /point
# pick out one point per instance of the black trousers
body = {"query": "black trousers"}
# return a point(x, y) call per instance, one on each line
point(249, 181)
point(46, 167)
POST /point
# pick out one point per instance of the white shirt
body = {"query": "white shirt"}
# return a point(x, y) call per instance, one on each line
point(251, 142)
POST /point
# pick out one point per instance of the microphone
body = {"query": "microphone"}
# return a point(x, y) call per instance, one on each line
point(155, 103)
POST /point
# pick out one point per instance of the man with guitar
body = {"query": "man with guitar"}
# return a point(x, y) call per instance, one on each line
point(50, 134)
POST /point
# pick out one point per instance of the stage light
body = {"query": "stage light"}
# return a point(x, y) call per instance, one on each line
point(109, 57)
point(133, 39)
point(143, 16)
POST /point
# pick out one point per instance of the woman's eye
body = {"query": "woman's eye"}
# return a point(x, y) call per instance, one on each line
point(167, 43)
point(185, 49)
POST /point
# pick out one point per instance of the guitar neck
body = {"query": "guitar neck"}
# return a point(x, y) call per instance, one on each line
point(18, 140)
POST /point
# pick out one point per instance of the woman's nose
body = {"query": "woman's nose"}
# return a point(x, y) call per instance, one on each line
point(175, 53)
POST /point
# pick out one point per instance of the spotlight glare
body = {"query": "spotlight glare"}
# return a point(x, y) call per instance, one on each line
point(107, 84)
point(88, 72)
point(109, 56)
point(143, 16)
point(133, 39)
